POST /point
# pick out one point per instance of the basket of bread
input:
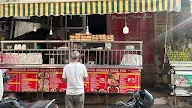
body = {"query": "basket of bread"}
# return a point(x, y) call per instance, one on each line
point(80, 37)
point(90, 37)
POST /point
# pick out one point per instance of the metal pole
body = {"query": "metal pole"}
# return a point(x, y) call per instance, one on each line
point(173, 86)
point(175, 98)
point(11, 31)
point(165, 45)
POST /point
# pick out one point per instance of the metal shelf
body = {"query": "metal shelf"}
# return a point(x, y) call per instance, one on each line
point(101, 57)
point(62, 65)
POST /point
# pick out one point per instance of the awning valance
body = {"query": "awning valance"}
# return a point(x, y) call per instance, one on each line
point(87, 7)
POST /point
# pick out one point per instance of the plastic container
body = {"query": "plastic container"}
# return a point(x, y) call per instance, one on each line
point(15, 46)
point(23, 46)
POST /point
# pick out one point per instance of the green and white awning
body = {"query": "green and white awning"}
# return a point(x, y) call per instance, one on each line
point(87, 7)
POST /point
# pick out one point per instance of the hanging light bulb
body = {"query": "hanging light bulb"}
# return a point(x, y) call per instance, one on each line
point(126, 28)
point(51, 32)
point(35, 28)
point(87, 30)
point(71, 17)
point(87, 27)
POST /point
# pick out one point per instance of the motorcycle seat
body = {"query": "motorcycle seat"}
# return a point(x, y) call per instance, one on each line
point(42, 104)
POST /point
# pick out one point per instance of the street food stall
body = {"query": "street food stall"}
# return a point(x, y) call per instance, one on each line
point(107, 67)
point(113, 66)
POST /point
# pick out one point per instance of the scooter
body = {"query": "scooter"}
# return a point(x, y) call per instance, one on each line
point(15, 103)
point(140, 99)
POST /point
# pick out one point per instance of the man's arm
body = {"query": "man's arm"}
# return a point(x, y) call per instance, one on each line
point(85, 75)
point(64, 75)
point(85, 79)
point(65, 80)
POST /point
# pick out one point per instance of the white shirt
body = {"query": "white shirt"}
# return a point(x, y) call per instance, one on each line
point(75, 73)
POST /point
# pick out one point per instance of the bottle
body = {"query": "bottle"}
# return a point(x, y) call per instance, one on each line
point(19, 46)
point(15, 46)
point(23, 46)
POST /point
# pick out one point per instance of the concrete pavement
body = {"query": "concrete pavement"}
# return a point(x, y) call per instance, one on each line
point(162, 106)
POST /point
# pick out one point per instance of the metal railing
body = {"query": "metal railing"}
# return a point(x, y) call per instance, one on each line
point(52, 53)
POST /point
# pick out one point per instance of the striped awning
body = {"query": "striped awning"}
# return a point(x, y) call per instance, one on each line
point(87, 7)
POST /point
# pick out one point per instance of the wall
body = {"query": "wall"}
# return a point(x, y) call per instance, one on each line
point(141, 26)
point(151, 29)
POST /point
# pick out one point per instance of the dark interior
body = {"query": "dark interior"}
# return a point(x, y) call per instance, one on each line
point(97, 25)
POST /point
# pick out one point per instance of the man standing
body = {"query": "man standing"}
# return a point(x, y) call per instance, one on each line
point(75, 74)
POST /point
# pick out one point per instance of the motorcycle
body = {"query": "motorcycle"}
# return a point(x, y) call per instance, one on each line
point(140, 99)
point(15, 103)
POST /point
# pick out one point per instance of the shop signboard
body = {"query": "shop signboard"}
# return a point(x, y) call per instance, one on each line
point(141, 28)
point(50, 80)
point(183, 80)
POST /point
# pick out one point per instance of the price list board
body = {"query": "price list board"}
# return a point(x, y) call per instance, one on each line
point(14, 83)
point(24, 80)
point(124, 80)
point(98, 79)
point(50, 80)
point(129, 82)
point(56, 83)
point(29, 81)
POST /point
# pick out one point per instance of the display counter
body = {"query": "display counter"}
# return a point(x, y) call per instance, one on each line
point(115, 68)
